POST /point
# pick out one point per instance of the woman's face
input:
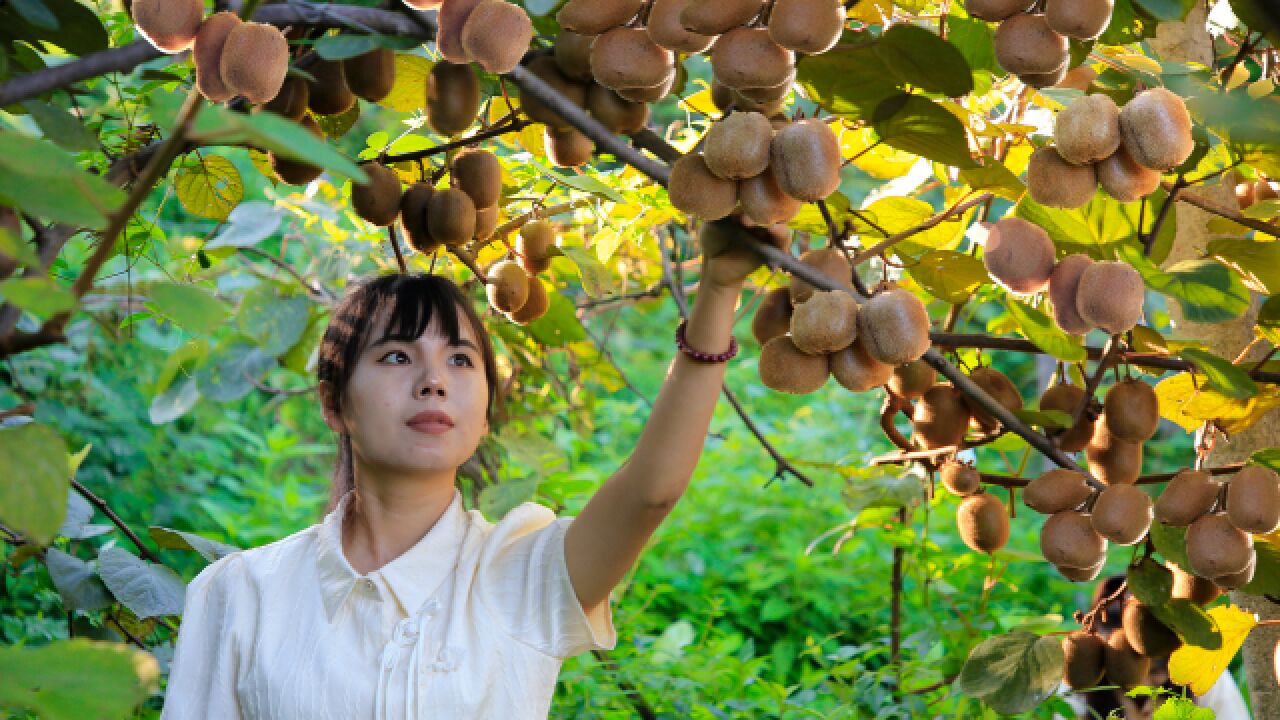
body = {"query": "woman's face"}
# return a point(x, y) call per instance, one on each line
point(394, 380)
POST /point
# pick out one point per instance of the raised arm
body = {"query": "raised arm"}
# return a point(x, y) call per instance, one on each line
point(607, 536)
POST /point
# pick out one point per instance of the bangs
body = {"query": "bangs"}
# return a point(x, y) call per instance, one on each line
point(409, 305)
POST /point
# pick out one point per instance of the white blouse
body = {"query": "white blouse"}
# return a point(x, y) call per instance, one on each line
point(290, 631)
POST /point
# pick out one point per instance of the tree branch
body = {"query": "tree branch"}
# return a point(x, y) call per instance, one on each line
point(1223, 211)
point(932, 222)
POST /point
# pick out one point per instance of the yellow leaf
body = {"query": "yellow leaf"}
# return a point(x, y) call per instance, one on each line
point(700, 102)
point(409, 93)
point(881, 161)
point(1261, 89)
point(872, 12)
point(1200, 668)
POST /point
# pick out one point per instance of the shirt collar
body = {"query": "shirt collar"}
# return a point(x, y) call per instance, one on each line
point(412, 577)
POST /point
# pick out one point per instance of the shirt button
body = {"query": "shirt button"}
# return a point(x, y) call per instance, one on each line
point(366, 583)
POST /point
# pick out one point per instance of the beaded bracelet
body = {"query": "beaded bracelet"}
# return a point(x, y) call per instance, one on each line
point(703, 356)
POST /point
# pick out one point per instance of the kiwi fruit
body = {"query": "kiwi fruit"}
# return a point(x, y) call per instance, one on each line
point(1189, 495)
point(666, 30)
point(486, 222)
point(746, 57)
point(1112, 460)
point(1064, 285)
point(615, 112)
point(297, 172)
point(255, 59)
point(940, 417)
point(1133, 410)
point(1044, 80)
point(1019, 255)
point(548, 70)
point(737, 147)
point(292, 100)
point(413, 218)
point(451, 217)
point(1186, 586)
point(423, 4)
point(1069, 540)
point(206, 53)
point(1025, 44)
point(1085, 574)
point(371, 75)
point(453, 97)
point(771, 94)
point(1066, 398)
point(592, 17)
point(716, 17)
point(1156, 129)
point(1084, 655)
point(1253, 500)
point(478, 173)
point(772, 108)
point(650, 94)
point(533, 246)
point(535, 305)
point(450, 22)
point(1264, 190)
point(764, 201)
point(805, 157)
point(496, 35)
point(377, 201)
point(169, 25)
point(1079, 19)
point(626, 57)
point(825, 323)
point(960, 478)
point(1216, 548)
point(807, 26)
point(786, 368)
point(1057, 490)
point(507, 285)
point(996, 10)
point(1054, 182)
point(773, 315)
point(828, 261)
point(983, 522)
point(1124, 666)
point(329, 93)
point(912, 379)
point(895, 326)
point(1123, 514)
point(1146, 634)
point(856, 371)
point(572, 55)
point(1231, 581)
point(696, 191)
point(1078, 78)
point(1124, 179)
point(1110, 296)
point(998, 386)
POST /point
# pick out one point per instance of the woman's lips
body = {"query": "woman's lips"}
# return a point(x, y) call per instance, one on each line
point(431, 427)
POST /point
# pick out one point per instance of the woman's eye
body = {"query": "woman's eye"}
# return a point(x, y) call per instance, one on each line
point(466, 357)
point(394, 352)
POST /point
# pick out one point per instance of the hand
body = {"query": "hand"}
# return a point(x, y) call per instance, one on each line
point(726, 260)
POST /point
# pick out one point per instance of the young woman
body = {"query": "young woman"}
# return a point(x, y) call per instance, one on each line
point(400, 603)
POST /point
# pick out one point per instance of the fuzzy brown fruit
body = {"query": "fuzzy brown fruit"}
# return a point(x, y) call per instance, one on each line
point(697, 191)
point(1079, 19)
point(255, 59)
point(895, 326)
point(1069, 540)
point(786, 368)
point(169, 25)
point(1019, 255)
point(566, 147)
point(1133, 410)
point(451, 217)
point(628, 58)
point(807, 26)
point(998, 386)
point(206, 52)
point(377, 201)
point(764, 201)
point(1189, 495)
point(856, 371)
point(507, 285)
point(450, 22)
point(1081, 575)
point(1084, 655)
point(1217, 548)
point(292, 100)
point(1054, 182)
point(1125, 667)
point(1198, 590)
point(572, 55)
point(913, 379)
point(371, 75)
point(825, 323)
point(666, 30)
point(1156, 128)
point(533, 246)
point(297, 172)
point(1064, 286)
point(1146, 634)
point(747, 57)
point(1123, 514)
point(478, 173)
point(413, 218)
point(773, 315)
point(486, 222)
point(737, 147)
point(1025, 44)
point(453, 97)
point(1231, 581)
point(996, 10)
point(1057, 490)
point(615, 112)
point(1079, 78)
point(1110, 296)
point(714, 17)
point(535, 306)
point(983, 522)
point(828, 261)
point(329, 93)
point(960, 478)
point(1124, 179)
point(1253, 500)
point(496, 35)
point(1112, 460)
point(592, 17)
point(548, 70)
point(940, 416)
point(805, 158)
point(1066, 398)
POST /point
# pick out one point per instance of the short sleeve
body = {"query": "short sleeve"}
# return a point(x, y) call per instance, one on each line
point(215, 614)
point(524, 581)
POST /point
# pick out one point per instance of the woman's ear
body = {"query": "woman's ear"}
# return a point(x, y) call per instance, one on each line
point(331, 418)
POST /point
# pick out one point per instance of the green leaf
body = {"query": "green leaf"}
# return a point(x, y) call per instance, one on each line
point(35, 477)
point(585, 183)
point(1171, 543)
point(1266, 575)
point(1190, 621)
point(1258, 263)
point(269, 131)
point(1179, 708)
point(972, 37)
point(992, 175)
point(339, 47)
point(77, 679)
point(1166, 10)
point(248, 224)
point(597, 280)
point(1100, 226)
point(497, 499)
point(224, 376)
point(149, 590)
point(1013, 672)
point(1268, 457)
point(1151, 582)
point(34, 12)
point(921, 58)
point(276, 323)
point(1040, 329)
point(1228, 379)
point(1049, 419)
point(76, 525)
point(79, 588)
point(42, 179)
point(920, 126)
point(209, 186)
point(61, 127)
point(190, 306)
point(1268, 322)
point(849, 82)
point(210, 550)
point(78, 29)
point(949, 275)
point(560, 325)
point(1206, 289)
point(1250, 125)
point(40, 296)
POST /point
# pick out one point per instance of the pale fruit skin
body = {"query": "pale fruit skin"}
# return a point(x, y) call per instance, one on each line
point(1081, 575)
point(1054, 182)
point(825, 323)
point(737, 147)
point(1088, 130)
point(1217, 548)
point(1133, 410)
point(1253, 500)
point(1019, 255)
point(1064, 284)
point(894, 326)
point(1123, 514)
point(535, 306)
point(1110, 296)
point(785, 368)
point(169, 25)
point(940, 417)
point(764, 201)
point(1044, 80)
point(1066, 398)
point(665, 28)
point(983, 523)
point(748, 58)
point(828, 261)
point(807, 26)
point(1113, 461)
point(451, 20)
point(255, 59)
point(1079, 78)
point(1156, 128)
point(695, 190)
point(960, 478)
point(1198, 590)
point(1124, 179)
point(1189, 495)
point(1057, 490)
point(533, 244)
point(995, 10)
point(714, 17)
point(856, 371)
point(507, 286)
point(805, 157)
point(1069, 540)
point(1079, 19)
point(207, 53)
point(496, 35)
point(592, 17)
point(1025, 44)
point(628, 58)
point(1084, 654)
point(773, 316)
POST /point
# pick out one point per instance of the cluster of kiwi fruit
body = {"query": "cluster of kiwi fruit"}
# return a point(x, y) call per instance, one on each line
point(807, 335)
point(981, 518)
point(494, 34)
point(1085, 294)
point(1250, 193)
point(1035, 46)
point(745, 164)
point(1124, 150)
point(232, 57)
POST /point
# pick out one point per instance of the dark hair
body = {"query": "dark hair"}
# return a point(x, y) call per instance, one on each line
point(413, 299)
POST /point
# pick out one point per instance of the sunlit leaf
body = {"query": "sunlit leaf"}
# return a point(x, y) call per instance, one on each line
point(1200, 668)
point(77, 679)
